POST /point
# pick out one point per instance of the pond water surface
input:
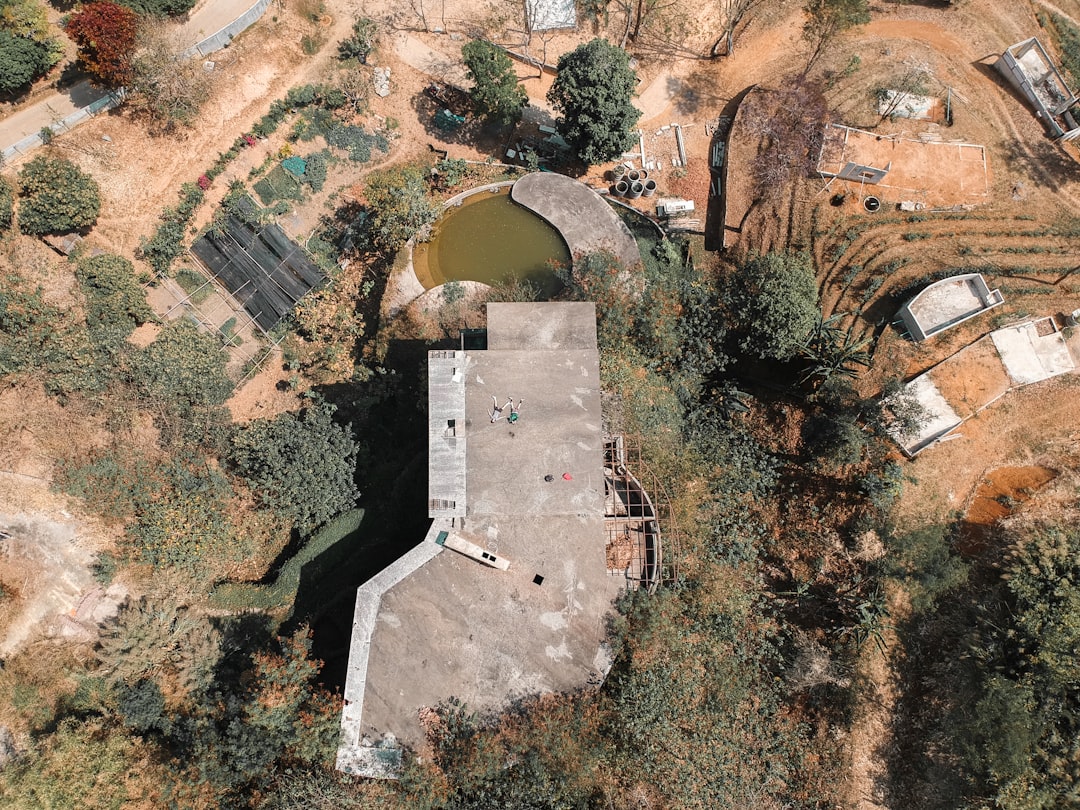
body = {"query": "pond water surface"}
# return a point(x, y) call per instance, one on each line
point(491, 239)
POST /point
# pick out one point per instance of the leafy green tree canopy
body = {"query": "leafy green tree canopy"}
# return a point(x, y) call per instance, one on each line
point(21, 61)
point(183, 369)
point(399, 206)
point(56, 196)
point(774, 300)
point(496, 92)
point(115, 303)
point(301, 466)
point(592, 91)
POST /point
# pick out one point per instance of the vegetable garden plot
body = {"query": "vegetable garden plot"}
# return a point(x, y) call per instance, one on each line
point(263, 269)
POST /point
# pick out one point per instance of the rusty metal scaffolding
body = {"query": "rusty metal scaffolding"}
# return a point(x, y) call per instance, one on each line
point(641, 535)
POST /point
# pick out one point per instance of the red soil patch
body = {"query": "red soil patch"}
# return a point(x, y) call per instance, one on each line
point(997, 497)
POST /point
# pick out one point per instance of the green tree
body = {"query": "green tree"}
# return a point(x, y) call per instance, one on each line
point(7, 203)
point(592, 92)
point(21, 61)
point(301, 466)
point(115, 303)
point(496, 92)
point(1018, 730)
point(398, 206)
point(774, 301)
point(56, 196)
point(183, 369)
point(28, 19)
point(825, 19)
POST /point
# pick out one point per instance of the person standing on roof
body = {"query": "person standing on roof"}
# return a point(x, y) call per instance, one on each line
point(496, 410)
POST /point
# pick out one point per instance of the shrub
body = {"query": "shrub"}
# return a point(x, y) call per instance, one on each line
point(115, 303)
point(167, 243)
point(55, 196)
point(315, 175)
point(301, 466)
point(7, 204)
point(451, 171)
point(362, 41)
point(183, 369)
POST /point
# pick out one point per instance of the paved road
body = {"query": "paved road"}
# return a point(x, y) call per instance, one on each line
point(207, 19)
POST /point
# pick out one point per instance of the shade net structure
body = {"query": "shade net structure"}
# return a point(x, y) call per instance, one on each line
point(260, 266)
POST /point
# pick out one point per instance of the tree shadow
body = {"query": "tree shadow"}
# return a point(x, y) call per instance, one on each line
point(698, 92)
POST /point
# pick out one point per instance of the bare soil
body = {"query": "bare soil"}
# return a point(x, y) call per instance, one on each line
point(998, 495)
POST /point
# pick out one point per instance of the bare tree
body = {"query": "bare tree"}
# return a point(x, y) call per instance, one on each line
point(166, 84)
point(532, 9)
point(826, 19)
point(646, 16)
point(418, 9)
point(790, 123)
point(731, 14)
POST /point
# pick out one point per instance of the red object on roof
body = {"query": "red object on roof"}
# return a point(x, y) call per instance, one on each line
point(567, 477)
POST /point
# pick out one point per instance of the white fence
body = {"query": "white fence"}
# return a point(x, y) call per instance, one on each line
point(31, 142)
point(221, 39)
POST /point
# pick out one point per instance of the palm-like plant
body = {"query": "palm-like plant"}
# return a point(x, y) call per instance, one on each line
point(831, 350)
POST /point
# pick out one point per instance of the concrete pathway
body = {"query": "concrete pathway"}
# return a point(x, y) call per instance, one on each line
point(30, 120)
point(205, 21)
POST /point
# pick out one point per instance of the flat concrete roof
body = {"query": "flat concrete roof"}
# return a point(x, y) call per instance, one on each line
point(587, 223)
point(451, 626)
point(541, 327)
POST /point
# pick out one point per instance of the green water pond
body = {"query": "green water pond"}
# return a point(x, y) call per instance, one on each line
point(491, 239)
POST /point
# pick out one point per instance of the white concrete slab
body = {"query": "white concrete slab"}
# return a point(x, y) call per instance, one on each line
point(1029, 357)
point(938, 416)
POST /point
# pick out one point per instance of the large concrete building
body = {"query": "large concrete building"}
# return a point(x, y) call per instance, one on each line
point(509, 593)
